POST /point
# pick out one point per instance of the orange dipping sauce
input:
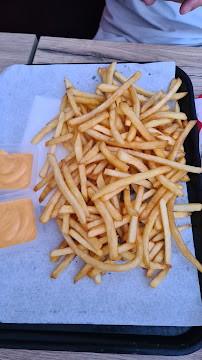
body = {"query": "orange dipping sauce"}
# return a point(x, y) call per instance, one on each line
point(17, 222)
point(15, 170)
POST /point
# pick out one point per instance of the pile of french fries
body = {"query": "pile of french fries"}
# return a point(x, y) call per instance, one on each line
point(115, 191)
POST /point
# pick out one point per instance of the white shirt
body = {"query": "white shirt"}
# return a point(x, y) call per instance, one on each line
point(161, 23)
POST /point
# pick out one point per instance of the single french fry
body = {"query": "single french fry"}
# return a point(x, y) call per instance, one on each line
point(181, 214)
point(138, 88)
point(177, 133)
point(96, 158)
point(91, 153)
point(110, 72)
point(112, 158)
point(156, 123)
point(170, 185)
point(166, 114)
point(180, 140)
point(59, 139)
point(83, 108)
point(100, 167)
point(65, 224)
point(85, 100)
point(188, 207)
point(68, 209)
point(177, 110)
point(45, 216)
point(143, 206)
point(172, 83)
point(158, 278)
point(171, 129)
point(111, 88)
point(62, 200)
point(62, 266)
point(183, 227)
point(83, 272)
point(94, 223)
point(136, 122)
point(68, 146)
point(128, 204)
point(83, 181)
point(131, 133)
point(134, 220)
point(55, 259)
point(149, 226)
point(115, 132)
point(148, 194)
point(97, 279)
point(118, 121)
point(119, 174)
point(157, 145)
point(136, 101)
point(94, 121)
point(94, 272)
point(178, 238)
point(164, 107)
point(81, 167)
point(61, 252)
point(71, 98)
point(167, 236)
point(102, 129)
point(49, 187)
point(85, 94)
point(50, 126)
point(97, 135)
point(93, 217)
point(178, 96)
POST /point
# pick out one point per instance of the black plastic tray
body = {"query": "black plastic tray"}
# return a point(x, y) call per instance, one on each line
point(151, 340)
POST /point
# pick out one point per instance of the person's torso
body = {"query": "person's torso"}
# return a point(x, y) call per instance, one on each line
point(160, 23)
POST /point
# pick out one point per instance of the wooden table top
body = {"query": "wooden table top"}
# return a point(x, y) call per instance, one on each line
point(52, 50)
point(19, 48)
point(16, 49)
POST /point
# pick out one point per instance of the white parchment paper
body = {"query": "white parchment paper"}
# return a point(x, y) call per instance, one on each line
point(30, 97)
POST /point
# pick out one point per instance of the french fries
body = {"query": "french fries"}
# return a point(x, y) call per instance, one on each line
point(65, 190)
point(119, 181)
